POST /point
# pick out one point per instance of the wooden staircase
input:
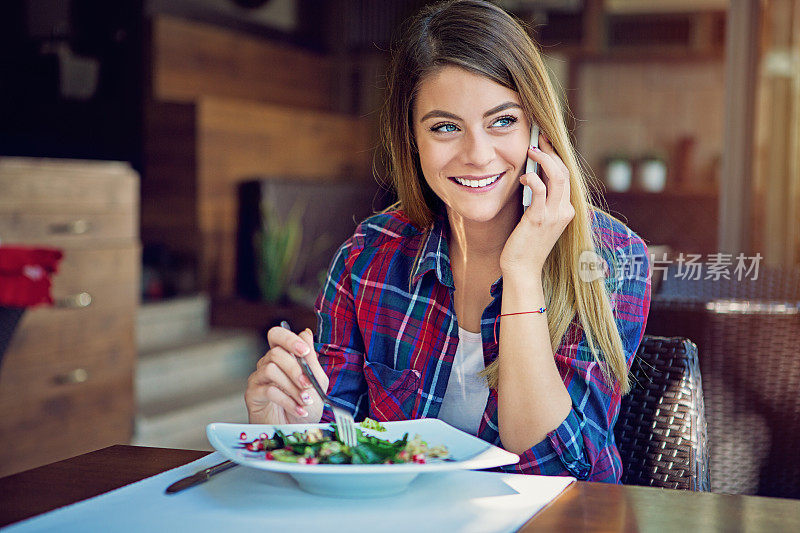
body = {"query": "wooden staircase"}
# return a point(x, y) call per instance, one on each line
point(188, 375)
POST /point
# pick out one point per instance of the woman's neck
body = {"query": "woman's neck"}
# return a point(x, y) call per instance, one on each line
point(480, 242)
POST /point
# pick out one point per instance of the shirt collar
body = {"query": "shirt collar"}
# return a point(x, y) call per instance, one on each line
point(435, 254)
point(497, 288)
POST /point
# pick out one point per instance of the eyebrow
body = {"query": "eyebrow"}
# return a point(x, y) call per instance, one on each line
point(444, 114)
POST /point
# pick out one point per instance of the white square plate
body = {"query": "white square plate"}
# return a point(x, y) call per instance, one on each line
point(359, 481)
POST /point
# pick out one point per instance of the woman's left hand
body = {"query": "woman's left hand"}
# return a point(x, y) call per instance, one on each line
point(545, 220)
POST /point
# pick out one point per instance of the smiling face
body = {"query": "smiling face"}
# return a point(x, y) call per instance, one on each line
point(472, 137)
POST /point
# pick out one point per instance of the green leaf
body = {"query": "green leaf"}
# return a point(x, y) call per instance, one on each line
point(277, 246)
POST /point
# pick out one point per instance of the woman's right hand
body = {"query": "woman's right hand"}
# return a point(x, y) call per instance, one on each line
point(278, 392)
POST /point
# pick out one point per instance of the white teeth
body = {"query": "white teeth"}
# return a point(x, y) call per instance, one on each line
point(478, 183)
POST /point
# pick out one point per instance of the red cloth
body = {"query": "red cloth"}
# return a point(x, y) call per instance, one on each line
point(25, 275)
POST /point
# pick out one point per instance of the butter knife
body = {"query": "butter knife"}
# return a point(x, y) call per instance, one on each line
point(200, 477)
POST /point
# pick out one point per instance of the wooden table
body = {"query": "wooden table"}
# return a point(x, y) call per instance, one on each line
point(583, 507)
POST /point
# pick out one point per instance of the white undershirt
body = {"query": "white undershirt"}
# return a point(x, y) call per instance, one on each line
point(467, 392)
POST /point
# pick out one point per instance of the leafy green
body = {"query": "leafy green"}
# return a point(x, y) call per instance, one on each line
point(316, 445)
point(277, 247)
point(369, 423)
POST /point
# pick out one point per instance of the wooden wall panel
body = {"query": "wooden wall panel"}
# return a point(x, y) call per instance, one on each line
point(191, 60)
point(224, 108)
point(240, 141)
point(244, 138)
point(639, 108)
point(197, 154)
point(169, 190)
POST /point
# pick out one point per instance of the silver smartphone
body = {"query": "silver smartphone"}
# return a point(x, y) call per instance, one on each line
point(530, 166)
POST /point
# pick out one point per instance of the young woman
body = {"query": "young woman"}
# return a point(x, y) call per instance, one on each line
point(458, 304)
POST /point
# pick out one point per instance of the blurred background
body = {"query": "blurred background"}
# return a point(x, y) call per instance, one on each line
point(197, 161)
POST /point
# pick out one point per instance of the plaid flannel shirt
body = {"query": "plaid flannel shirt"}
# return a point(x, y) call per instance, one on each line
point(387, 336)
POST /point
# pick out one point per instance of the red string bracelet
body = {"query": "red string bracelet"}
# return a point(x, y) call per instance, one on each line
point(537, 312)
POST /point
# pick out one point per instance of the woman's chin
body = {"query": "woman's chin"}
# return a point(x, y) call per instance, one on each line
point(485, 209)
point(478, 213)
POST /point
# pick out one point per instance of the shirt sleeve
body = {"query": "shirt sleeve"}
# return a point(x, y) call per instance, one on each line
point(339, 343)
point(583, 445)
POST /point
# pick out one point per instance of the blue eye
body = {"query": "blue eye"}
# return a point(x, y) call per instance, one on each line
point(446, 127)
point(504, 122)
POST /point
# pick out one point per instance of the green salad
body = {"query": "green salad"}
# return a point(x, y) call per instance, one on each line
point(320, 446)
point(369, 423)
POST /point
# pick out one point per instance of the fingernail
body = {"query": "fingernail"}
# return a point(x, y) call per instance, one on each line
point(535, 148)
point(309, 331)
point(306, 397)
point(301, 412)
point(301, 348)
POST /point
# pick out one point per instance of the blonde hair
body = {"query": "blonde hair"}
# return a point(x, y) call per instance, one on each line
point(482, 38)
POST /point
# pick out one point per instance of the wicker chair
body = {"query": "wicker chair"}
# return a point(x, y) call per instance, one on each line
point(747, 334)
point(771, 283)
point(661, 429)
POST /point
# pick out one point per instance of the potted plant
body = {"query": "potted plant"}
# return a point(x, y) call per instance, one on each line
point(277, 247)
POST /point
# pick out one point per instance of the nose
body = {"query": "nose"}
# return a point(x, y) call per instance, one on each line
point(478, 149)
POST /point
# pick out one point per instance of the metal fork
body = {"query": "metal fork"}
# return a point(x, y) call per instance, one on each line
point(345, 425)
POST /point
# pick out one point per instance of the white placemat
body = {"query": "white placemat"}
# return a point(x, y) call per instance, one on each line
point(245, 499)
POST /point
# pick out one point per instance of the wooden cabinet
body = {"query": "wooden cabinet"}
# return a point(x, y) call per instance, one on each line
point(66, 380)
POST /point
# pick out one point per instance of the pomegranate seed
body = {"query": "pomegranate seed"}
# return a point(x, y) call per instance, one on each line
point(419, 458)
point(243, 436)
point(312, 461)
point(263, 436)
point(269, 456)
point(252, 446)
